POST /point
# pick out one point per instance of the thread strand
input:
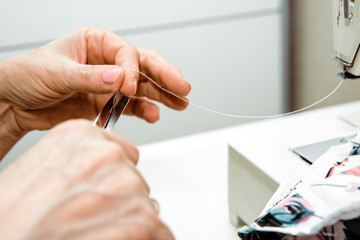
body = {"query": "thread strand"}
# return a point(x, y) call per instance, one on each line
point(234, 115)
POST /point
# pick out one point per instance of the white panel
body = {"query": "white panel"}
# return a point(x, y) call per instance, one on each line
point(233, 66)
point(36, 20)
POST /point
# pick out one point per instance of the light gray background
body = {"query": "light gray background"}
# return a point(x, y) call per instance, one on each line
point(231, 51)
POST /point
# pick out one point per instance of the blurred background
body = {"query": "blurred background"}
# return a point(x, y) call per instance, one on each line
point(259, 57)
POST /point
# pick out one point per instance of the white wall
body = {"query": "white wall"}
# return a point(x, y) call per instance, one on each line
point(231, 51)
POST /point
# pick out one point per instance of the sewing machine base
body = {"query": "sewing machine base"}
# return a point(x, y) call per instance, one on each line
point(261, 157)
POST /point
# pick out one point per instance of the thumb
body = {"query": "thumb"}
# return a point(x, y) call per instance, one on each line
point(97, 79)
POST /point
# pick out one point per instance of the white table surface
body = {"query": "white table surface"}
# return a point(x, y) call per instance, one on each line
point(188, 175)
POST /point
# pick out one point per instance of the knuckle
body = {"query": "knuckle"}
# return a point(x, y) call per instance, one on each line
point(176, 69)
point(127, 142)
point(114, 151)
point(83, 74)
point(132, 50)
point(129, 148)
point(136, 52)
point(156, 229)
point(163, 232)
point(150, 55)
point(136, 154)
point(139, 230)
point(91, 30)
point(155, 53)
point(133, 151)
point(108, 153)
point(134, 183)
point(146, 211)
point(88, 31)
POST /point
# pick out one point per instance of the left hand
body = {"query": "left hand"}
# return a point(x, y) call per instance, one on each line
point(78, 182)
point(74, 76)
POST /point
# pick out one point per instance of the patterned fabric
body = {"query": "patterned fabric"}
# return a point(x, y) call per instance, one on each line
point(321, 203)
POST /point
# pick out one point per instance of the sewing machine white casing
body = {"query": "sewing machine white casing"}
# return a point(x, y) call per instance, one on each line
point(257, 165)
point(346, 22)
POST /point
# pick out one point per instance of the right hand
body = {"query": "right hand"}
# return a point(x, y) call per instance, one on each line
point(74, 76)
point(79, 182)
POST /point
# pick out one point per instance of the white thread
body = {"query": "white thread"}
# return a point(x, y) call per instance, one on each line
point(234, 115)
point(249, 116)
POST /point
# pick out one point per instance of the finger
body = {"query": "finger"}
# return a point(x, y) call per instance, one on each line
point(144, 109)
point(106, 47)
point(78, 106)
point(147, 225)
point(122, 144)
point(162, 232)
point(130, 148)
point(153, 92)
point(163, 72)
point(125, 178)
point(128, 58)
point(96, 79)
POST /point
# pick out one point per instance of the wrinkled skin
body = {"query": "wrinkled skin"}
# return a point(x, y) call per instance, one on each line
point(79, 182)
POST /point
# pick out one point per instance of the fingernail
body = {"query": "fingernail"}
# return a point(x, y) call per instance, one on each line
point(111, 75)
point(135, 86)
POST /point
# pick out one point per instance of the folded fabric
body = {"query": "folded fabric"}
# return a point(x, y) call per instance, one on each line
point(321, 203)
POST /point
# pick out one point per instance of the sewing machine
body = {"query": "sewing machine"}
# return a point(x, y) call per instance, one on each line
point(347, 36)
point(263, 155)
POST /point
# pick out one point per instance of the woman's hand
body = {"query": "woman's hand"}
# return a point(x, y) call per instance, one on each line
point(74, 76)
point(78, 182)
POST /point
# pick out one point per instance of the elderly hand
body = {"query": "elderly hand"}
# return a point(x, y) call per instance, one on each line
point(78, 182)
point(74, 76)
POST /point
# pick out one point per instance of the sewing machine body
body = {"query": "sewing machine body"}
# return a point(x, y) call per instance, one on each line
point(346, 24)
point(261, 158)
